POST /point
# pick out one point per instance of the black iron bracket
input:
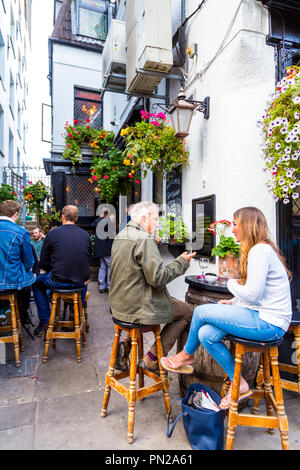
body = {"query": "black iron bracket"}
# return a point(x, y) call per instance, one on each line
point(202, 106)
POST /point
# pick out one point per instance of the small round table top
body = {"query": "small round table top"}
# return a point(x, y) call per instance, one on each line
point(199, 283)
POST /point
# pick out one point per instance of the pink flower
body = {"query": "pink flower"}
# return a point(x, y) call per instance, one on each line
point(105, 177)
point(29, 182)
point(137, 181)
point(94, 177)
point(155, 123)
point(161, 116)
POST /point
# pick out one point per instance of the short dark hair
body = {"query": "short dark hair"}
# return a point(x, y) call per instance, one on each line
point(9, 208)
point(70, 213)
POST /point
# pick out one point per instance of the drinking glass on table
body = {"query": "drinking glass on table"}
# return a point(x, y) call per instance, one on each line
point(225, 268)
point(203, 265)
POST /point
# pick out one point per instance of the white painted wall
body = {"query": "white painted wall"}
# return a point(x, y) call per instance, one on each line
point(13, 63)
point(72, 67)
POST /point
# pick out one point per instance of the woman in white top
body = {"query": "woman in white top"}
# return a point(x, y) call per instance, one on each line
point(261, 309)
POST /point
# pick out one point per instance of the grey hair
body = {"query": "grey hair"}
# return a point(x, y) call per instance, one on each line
point(141, 209)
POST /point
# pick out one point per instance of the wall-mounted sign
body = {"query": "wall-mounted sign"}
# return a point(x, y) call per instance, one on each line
point(203, 214)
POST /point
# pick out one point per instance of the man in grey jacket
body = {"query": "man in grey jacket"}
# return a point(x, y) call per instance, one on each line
point(138, 292)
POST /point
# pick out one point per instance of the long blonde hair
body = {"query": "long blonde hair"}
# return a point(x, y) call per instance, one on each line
point(253, 229)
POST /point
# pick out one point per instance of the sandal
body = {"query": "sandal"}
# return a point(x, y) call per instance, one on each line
point(179, 370)
point(242, 397)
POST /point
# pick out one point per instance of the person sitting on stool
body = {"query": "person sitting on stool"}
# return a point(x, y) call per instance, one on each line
point(65, 257)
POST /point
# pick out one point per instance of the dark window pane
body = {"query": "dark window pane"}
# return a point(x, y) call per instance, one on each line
point(87, 105)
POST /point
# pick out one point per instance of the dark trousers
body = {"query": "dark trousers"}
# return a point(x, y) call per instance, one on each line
point(45, 283)
point(23, 299)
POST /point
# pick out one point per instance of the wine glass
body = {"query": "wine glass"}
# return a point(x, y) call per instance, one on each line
point(225, 268)
point(203, 265)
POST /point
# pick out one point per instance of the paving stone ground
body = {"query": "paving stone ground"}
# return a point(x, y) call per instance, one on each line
point(57, 405)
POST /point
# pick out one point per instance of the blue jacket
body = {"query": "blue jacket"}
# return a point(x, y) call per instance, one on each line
point(16, 258)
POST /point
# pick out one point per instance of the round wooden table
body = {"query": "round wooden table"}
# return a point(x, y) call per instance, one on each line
point(206, 370)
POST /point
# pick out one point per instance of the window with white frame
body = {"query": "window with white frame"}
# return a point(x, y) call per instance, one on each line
point(1, 131)
point(12, 30)
point(19, 120)
point(12, 95)
point(2, 58)
point(11, 147)
point(92, 18)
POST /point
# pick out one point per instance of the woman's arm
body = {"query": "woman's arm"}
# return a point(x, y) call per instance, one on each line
point(257, 271)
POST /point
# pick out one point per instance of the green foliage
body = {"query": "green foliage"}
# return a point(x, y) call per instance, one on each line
point(153, 145)
point(113, 174)
point(281, 128)
point(77, 135)
point(226, 246)
point(7, 193)
point(172, 229)
point(35, 194)
point(50, 219)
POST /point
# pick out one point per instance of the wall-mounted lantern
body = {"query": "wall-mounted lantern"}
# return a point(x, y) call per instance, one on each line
point(181, 113)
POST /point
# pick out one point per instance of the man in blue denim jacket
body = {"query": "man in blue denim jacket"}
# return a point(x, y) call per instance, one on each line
point(16, 257)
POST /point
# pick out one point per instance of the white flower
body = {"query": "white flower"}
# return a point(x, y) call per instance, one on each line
point(292, 185)
point(288, 149)
point(286, 158)
point(285, 188)
point(295, 156)
point(276, 198)
point(288, 139)
point(284, 120)
point(277, 146)
point(290, 172)
point(286, 201)
point(297, 116)
point(281, 181)
point(295, 195)
point(296, 100)
point(295, 138)
point(283, 130)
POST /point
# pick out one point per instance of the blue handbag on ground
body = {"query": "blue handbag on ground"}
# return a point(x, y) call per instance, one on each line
point(204, 428)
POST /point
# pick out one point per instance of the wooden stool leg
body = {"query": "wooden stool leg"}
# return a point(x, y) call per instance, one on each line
point(283, 422)
point(82, 322)
point(77, 328)
point(233, 410)
point(225, 386)
point(162, 373)
point(267, 386)
point(57, 315)
point(111, 372)
point(87, 327)
point(15, 336)
point(50, 326)
point(131, 397)
point(259, 384)
point(141, 355)
point(19, 324)
point(296, 331)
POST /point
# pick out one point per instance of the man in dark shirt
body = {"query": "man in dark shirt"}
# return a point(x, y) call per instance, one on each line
point(65, 257)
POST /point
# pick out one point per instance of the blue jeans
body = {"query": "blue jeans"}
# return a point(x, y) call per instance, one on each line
point(104, 273)
point(211, 322)
point(43, 284)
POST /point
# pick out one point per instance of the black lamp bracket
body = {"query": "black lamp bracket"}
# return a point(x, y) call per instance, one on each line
point(202, 106)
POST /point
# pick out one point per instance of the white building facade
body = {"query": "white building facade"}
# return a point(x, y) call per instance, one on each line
point(15, 28)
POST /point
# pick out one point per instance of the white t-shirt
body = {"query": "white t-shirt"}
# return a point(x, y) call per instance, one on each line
point(267, 288)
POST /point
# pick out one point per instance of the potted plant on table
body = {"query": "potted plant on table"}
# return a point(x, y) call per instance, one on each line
point(227, 249)
point(280, 125)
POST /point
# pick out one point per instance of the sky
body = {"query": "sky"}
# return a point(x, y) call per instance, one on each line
point(38, 92)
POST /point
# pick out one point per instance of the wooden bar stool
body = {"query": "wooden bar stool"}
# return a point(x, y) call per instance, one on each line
point(78, 325)
point(292, 369)
point(69, 303)
point(132, 394)
point(273, 401)
point(15, 326)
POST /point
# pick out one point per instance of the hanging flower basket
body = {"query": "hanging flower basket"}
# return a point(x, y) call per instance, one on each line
point(153, 145)
point(281, 129)
point(83, 140)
